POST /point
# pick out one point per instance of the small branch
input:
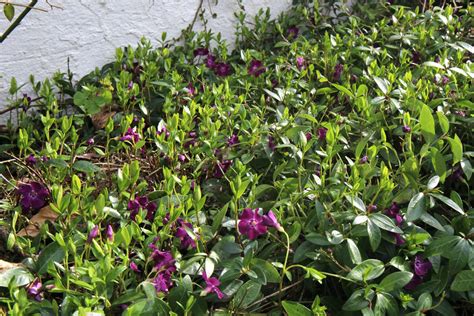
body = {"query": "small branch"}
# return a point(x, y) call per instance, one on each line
point(22, 5)
point(18, 20)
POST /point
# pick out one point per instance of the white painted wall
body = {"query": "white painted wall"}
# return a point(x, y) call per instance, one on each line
point(88, 31)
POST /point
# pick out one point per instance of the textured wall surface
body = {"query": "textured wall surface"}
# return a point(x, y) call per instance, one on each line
point(88, 31)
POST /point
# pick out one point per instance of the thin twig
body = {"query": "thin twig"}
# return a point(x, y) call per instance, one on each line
point(276, 293)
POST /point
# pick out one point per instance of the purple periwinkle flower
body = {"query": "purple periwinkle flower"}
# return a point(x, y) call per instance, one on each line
point(444, 80)
point(222, 167)
point(293, 32)
point(212, 285)
point(337, 72)
point(134, 267)
point(181, 158)
point(399, 241)
point(163, 259)
point(363, 160)
point(163, 282)
point(222, 69)
point(437, 59)
point(394, 212)
point(33, 196)
point(210, 61)
point(163, 130)
point(233, 140)
point(186, 240)
point(271, 143)
point(131, 135)
point(191, 90)
point(300, 62)
point(256, 68)
point(44, 158)
point(251, 224)
point(143, 203)
point(110, 233)
point(271, 221)
point(416, 57)
point(421, 267)
point(31, 160)
point(201, 51)
point(90, 141)
point(34, 289)
point(406, 129)
point(371, 208)
point(322, 133)
point(308, 136)
point(94, 233)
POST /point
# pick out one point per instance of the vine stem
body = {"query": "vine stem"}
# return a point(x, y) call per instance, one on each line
point(17, 21)
point(284, 270)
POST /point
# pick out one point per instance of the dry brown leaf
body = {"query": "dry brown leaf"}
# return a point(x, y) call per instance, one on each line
point(5, 265)
point(100, 119)
point(32, 230)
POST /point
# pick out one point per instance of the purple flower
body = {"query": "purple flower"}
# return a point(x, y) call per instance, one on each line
point(363, 160)
point(181, 158)
point(399, 241)
point(437, 59)
point(90, 141)
point(163, 259)
point(406, 129)
point(143, 203)
point(33, 196)
point(293, 32)
point(163, 130)
point(210, 61)
point(251, 224)
point(371, 208)
point(162, 281)
point(308, 136)
point(31, 160)
point(337, 72)
point(131, 135)
point(322, 133)
point(394, 212)
point(212, 285)
point(34, 289)
point(233, 140)
point(416, 57)
point(300, 62)
point(110, 233)
point(271, 143)
point(201, 51)
point(222, 69)
point(421, 266)
point(181, 232)
point(271, 221)
point(445, 80)
point(191, 90)
point(150, 211)
point(134, 267)
point(256, 68)
point(93, 234)
point(44, 159)
point(221, 168)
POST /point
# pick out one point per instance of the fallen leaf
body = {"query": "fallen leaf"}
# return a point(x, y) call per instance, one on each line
point(32, 230)
point(5, 265)
point(100, 119)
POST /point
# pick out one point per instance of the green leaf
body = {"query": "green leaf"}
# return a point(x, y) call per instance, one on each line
point(85, 166)
point(448, 202)
point(427, 123)
point(385, 223)
point(433, 64)
point(51, 253)
point(356, 301)
point(271, 273)
point(382, 84)
point(247, 294)
point(356, 202)
point(374, 235)
point(354, 251)
point(443, 122)
point(456, 148)
point(343, 89)
point(9, 11)
point(217, 220)
point(16, 276)
point(367, 270)
point(433, 182)
point(314, 274)
point(439, 163)
point(441, 245)
point(386, 305)
point(396, 280)
point(148, 307)
point(464, 281)
point(416, 207)
point(296, 309)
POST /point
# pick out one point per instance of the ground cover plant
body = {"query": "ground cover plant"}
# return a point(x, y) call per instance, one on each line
point(318, 168)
